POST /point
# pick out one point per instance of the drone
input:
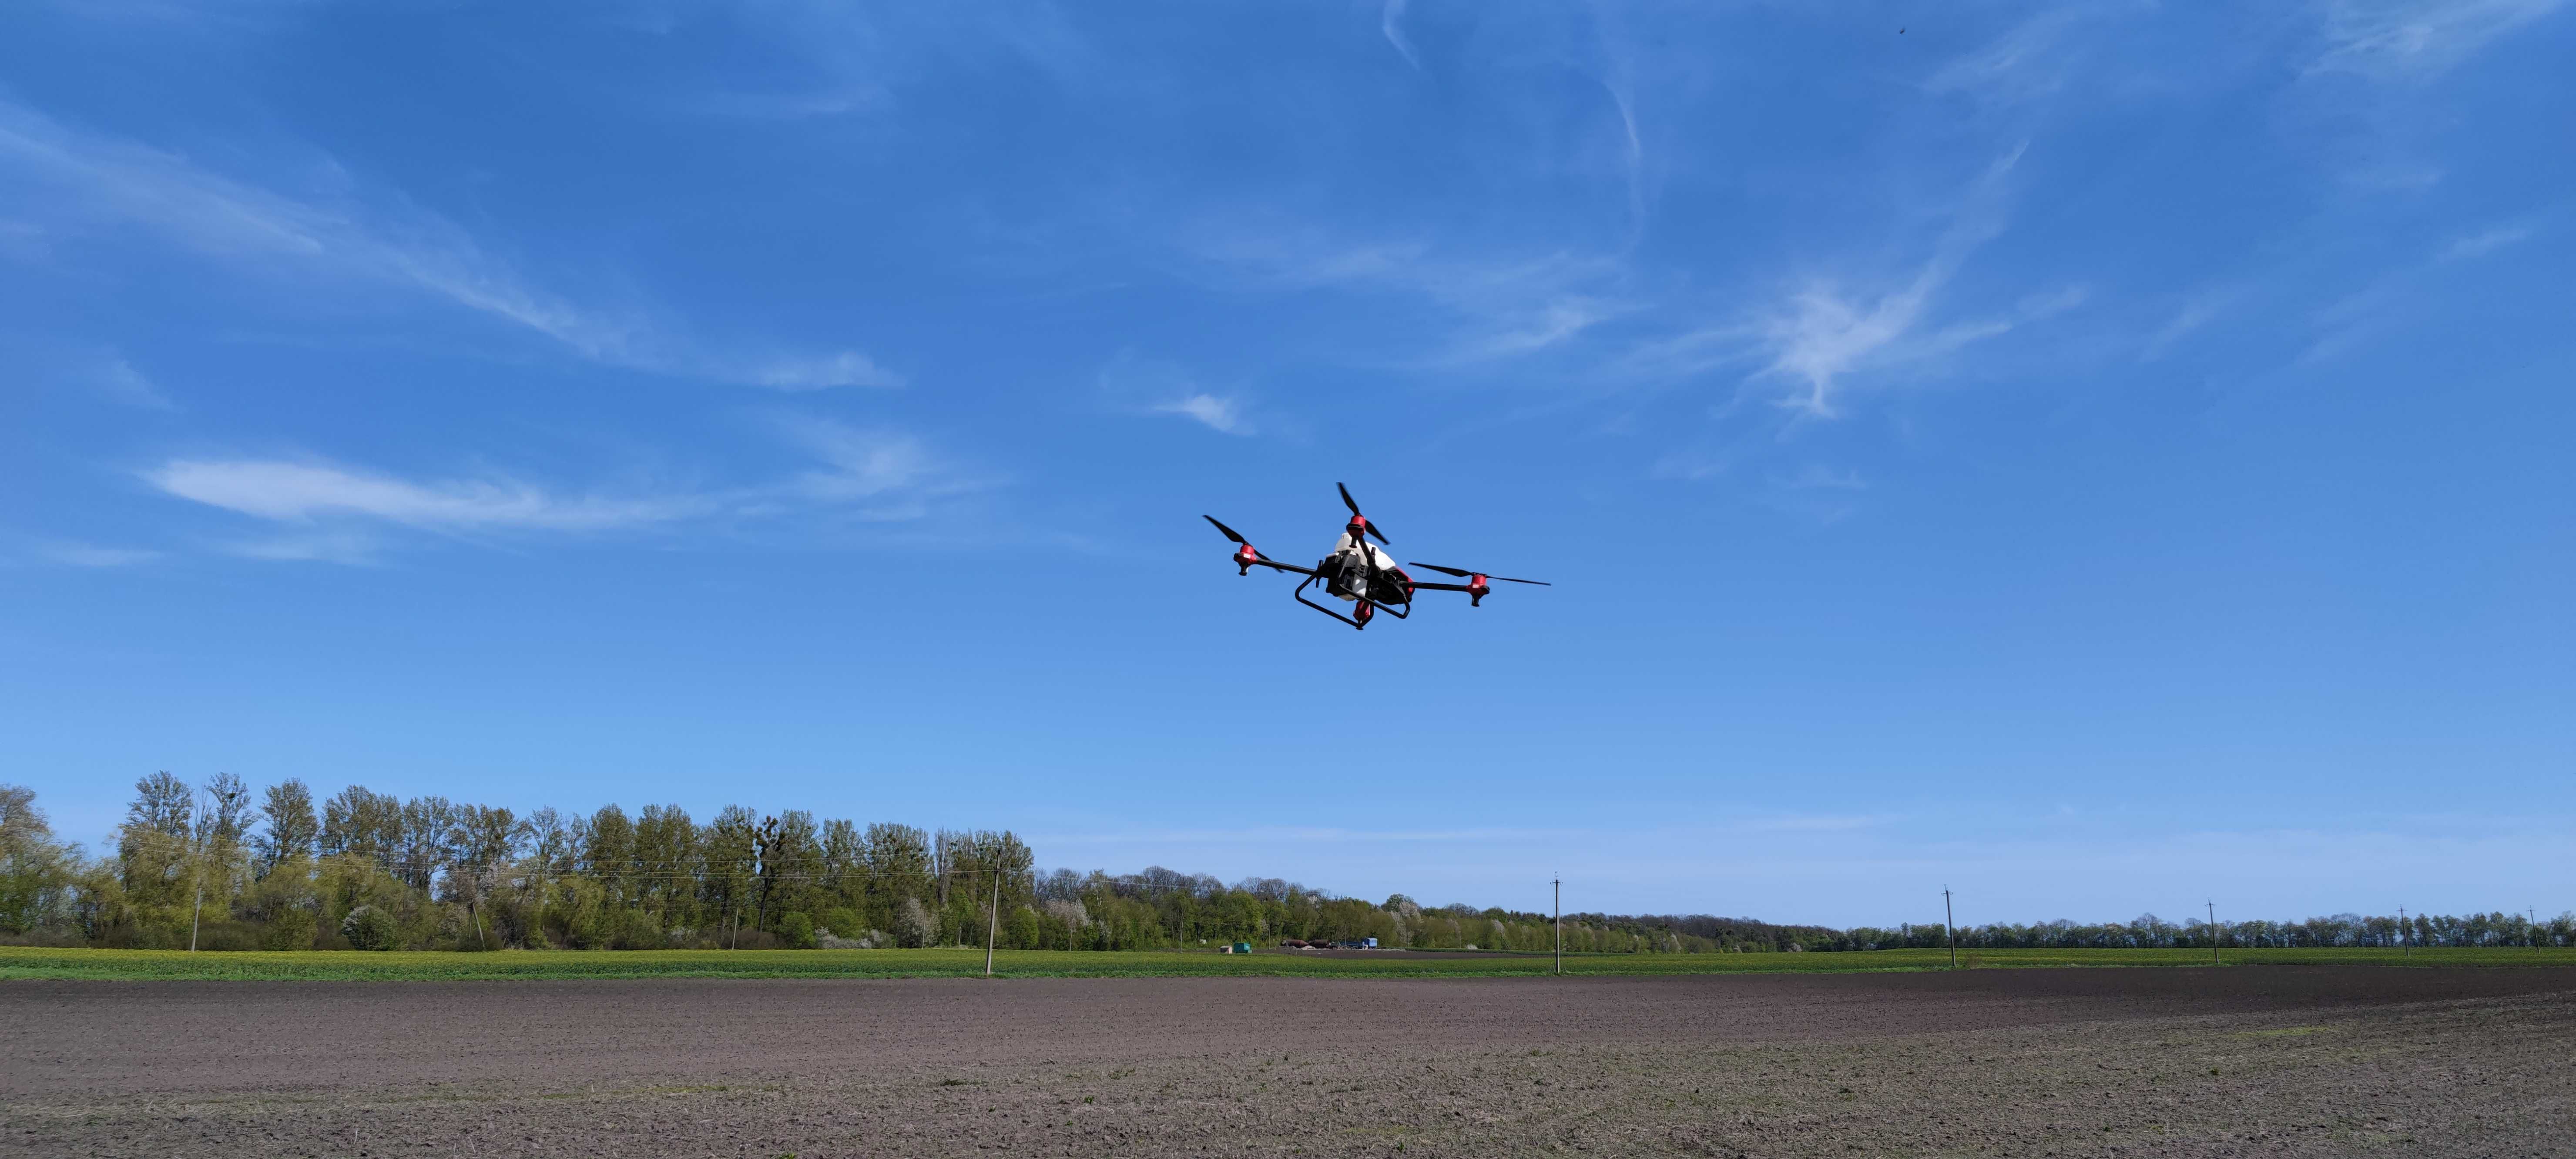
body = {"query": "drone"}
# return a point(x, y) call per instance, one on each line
point(1363, 576)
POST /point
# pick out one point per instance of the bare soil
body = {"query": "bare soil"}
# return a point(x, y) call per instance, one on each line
point(2238, 1061)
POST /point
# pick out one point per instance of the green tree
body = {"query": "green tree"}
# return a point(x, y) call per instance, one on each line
point(356, 822)
point(666, 864)
point(291, 827)
point(37, 873)
point(732, 859)
point(898, 866)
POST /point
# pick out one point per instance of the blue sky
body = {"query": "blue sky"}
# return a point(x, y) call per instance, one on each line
point(2096, 457)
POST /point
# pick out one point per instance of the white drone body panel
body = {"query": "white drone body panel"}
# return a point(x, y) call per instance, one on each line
point(1346, 550)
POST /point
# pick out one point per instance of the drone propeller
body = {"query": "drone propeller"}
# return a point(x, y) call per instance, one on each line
point(1463, 573)
point(1245, 555)
point(1366, 524)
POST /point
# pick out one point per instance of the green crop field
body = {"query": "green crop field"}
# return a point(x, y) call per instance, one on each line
point(24, 962)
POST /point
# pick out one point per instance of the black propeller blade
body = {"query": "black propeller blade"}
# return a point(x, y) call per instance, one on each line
point(1229, 532)
point(1354, 505)
point(1463, 573)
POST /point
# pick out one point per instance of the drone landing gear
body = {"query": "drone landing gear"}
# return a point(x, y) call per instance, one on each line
point(1361, 612)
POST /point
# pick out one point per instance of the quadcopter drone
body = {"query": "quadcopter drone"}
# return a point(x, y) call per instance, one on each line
point(1357, 572)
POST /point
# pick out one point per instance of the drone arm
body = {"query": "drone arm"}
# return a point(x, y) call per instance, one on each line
point(1475, 593)
point(1275, 565)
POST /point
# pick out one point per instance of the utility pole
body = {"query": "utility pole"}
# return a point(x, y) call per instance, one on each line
point(992, 925)
point(1950, 925)
point(197, 878)
point(2213, 933)
point(1559, 883)
point(2405, 936)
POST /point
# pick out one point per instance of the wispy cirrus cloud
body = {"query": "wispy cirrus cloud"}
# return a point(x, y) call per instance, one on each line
point(1224, 415)
point(68, 553)
point(73, 183)
point(1839, 324)
point(2359, 315)
point(876, 473)
point(1491, 306)
point(1390, 24)
point(2400, 40)
point(101, 372)
point(2026, 63)
point(1149, 387)
point(1825, 332)
point(346, 546)
point(282, 491)
point(2198, 310)
point(2487, 241)
point(336, 513)
point(118, 380)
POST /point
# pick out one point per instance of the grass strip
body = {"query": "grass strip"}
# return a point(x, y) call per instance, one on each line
point(19, 962)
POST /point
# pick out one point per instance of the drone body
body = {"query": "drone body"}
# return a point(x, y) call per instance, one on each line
point(1359, 574)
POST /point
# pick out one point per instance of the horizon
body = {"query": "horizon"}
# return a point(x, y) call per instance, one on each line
point(2097, 461)
point(1042, 868)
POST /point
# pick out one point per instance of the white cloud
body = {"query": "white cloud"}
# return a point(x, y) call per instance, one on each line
point(1391, 25)
point(2374, 308)
point(291, 492)
point(101, 372)
point(2481, 244)
point(1815, 492)
point(1221, 414)
point(339, 514)
point(847, 368)
point(343, 546)
point(2393, 40)
point(1541, 327)
point(71, 554)
point(82, 181)
point(1824, 332)
point(1495, 307)
point(865, 464)
point(2200, 310)
point(2026, 63)
point(1818, 477)
point(117, 379)
point(1146, 386)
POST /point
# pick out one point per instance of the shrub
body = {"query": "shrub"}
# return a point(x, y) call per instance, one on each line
point(797, 930)
point(912, 925)
point(291, 925)
point(369, 928)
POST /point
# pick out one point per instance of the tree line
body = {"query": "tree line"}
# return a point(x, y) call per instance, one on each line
point(215, 866)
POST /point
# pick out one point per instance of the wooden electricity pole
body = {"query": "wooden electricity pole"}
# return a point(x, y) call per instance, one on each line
point(992, 925)
point(197, 878)
point(2405, 936)
point(1559, 883)
point(1950, 925)
point(2213, 933)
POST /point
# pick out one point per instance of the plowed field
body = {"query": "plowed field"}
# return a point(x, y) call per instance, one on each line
point(2238, 1061)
